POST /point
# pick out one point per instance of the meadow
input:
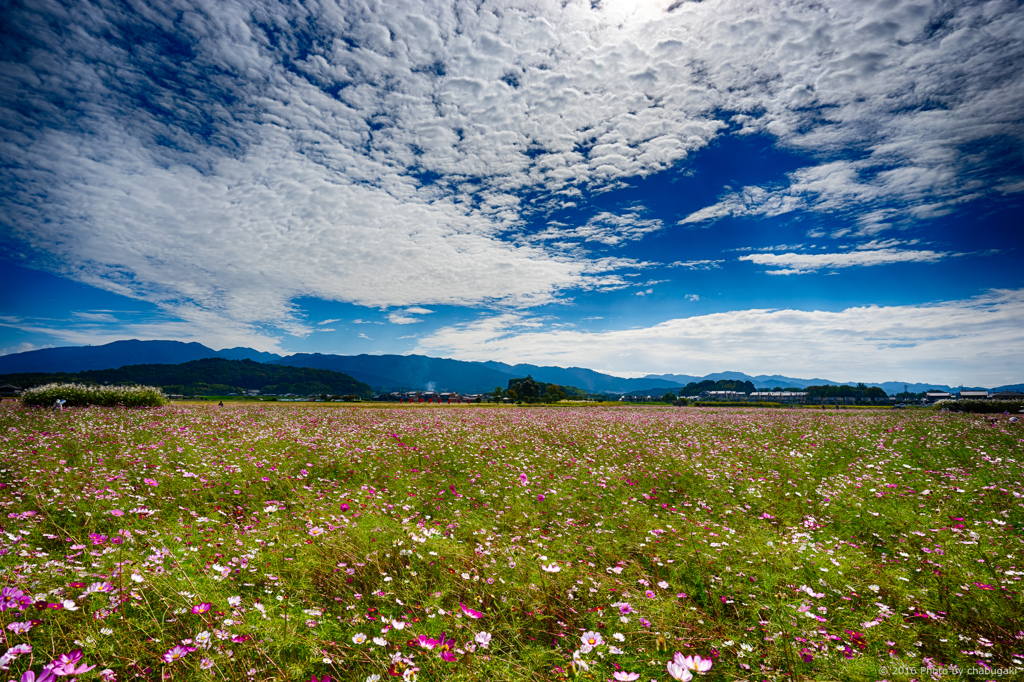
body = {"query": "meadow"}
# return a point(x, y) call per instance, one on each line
point(297, 542)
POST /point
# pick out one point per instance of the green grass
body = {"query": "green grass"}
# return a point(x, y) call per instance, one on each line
point(784, 545)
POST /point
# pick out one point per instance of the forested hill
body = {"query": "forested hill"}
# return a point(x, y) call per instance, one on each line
point(210, 376)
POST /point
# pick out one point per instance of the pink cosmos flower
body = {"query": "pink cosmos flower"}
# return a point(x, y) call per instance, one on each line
point(523, 480)
point(445, 646)
point(427, 642)
point(625, 608)
point(483, 639)
point(176, 653)
point(678, 672)
point(202, 608)
point(624, 676)
point(116, 512)
point(695, 663)
point(592, 638)
point(470, 612)
point(66, 664)
point(19, 628)
point(150, 481)
point(13, 598)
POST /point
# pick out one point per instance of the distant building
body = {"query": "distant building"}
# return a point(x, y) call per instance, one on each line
point(935, 396)
point(9, 391)
point(974, 395)
point(779, 396)
point(1007, 395)
point(723, 395)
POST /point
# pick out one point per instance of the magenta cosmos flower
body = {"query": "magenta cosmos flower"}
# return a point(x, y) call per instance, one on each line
point(470, 612)
point(67, 664)
point(445, 646)
point(176, 653)
point(202, 608)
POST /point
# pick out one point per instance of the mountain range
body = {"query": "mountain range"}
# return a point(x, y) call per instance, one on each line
point(394, 372)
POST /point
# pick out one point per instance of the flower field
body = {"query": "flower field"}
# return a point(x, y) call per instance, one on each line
point(295, 542)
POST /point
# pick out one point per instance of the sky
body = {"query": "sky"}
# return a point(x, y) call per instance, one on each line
point(826, 189)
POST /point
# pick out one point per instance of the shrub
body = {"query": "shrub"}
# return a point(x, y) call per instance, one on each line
point(80, 395)
point(981, 406)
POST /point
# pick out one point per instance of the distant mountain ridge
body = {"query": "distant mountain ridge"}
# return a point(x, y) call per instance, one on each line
point(410, 372)
point(209, 376)
point(119, 354)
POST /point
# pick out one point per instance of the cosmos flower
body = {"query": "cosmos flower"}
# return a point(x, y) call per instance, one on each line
point(483, 639)
point(445, 646)
point(470, 612)
point(624, 676)
point(592, 638)
point(175, 653)
point(552, 568)
point(202, 607)
point(678, 672)
point(695, 663)
point(359, 638)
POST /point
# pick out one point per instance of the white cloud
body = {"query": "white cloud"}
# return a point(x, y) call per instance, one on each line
point(273, 163)
point(399, 318)
point(975, 341)
point(329, 321)
point(802, 263)
point(697, 264)
point(23, 347)
point(418, 311)
point(605, 228)
point(194, 324)
point(95, 317)
point(692, 297)
point(645, 293)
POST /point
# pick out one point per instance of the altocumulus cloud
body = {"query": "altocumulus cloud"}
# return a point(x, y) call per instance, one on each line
point(974, 340)
point(221, 162)
point(802, 263)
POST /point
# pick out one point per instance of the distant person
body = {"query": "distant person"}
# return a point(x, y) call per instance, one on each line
point(58, 404)
point(220, 404)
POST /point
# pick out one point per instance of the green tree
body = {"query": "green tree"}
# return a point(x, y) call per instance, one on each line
point(668, 397)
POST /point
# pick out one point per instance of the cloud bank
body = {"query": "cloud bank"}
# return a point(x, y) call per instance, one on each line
point(976, 341)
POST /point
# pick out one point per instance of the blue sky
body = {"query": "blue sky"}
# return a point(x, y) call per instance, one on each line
point(818, 190)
